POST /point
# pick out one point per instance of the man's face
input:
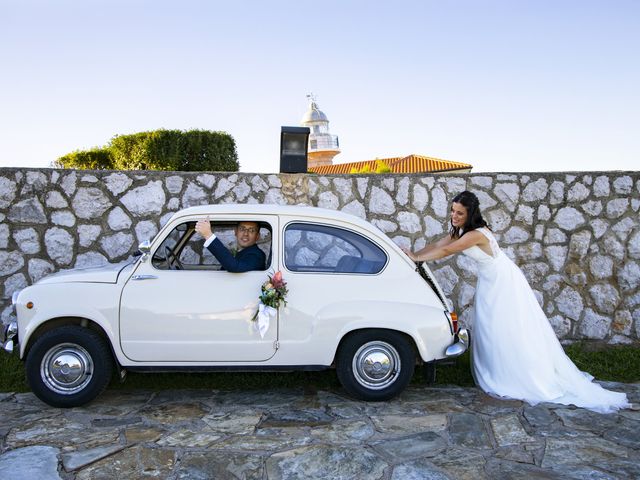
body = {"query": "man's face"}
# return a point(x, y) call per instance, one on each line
point(247, 234)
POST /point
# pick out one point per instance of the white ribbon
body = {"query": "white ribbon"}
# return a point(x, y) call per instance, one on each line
point(265, 314)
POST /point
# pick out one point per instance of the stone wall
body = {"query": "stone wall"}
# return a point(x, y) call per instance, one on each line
point(576, 236)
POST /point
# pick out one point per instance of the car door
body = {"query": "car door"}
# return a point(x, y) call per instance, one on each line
point(329, 268)
point(192, 311)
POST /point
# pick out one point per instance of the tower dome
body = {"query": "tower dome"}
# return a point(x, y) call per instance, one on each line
point(314, 114)
point(322, 145)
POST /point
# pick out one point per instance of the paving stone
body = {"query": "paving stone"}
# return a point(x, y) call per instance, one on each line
point(538, 415)
point(461, 464)
point(508, 430)
point(346, 410)
point(285, 398)
point(420, 469)
point(234, 422)
point(134, 462)
point(443, 406)
point(76, 460)
point(438, 432)
point(204, 466)
point(562, 452)
point(403, 424)
point(586, 420)
point(285, 432)
point(304, 417)
point(188, 439)
point(493, 406)
point(261, 443)
point(325, 462)
point(627, 433)
point(515, 454)
point(142, 435)
point(117, 403)
point(173, 413)
point(59, 432)
point(37, 462)
point(427, 444)
point(505, 470)
point(468, 430)
point(344, 431)
point(623, 469)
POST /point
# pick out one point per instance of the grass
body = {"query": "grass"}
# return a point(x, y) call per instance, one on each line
point(617, 364)
point(620, 363)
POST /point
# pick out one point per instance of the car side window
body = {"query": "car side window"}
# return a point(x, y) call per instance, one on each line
point(183, 248)
point(310, 247)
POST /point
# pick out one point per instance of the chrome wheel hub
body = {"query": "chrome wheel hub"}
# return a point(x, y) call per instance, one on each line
point(66, 368)
point(376, 365)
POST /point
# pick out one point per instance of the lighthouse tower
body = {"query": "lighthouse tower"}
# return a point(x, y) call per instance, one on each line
point(322, 145)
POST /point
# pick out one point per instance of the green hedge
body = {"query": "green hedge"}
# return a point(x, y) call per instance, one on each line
point(191, 151)
point(96, 159)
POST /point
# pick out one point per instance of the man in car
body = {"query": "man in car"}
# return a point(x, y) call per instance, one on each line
point(249, 256)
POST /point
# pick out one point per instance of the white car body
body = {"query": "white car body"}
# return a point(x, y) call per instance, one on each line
point(155, 317)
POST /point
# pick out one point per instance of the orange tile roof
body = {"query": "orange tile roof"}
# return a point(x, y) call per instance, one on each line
point(409, 164)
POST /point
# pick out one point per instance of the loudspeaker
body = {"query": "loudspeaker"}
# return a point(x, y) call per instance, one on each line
point(294, 142)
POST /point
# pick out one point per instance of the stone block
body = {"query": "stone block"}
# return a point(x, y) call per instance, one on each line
point(146, 200)
point(90, 203)
point(59, 245)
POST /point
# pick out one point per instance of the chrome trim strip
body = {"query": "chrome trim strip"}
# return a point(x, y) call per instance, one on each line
point(143, 277)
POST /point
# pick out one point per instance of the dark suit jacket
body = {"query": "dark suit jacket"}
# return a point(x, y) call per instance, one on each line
point(247, 259)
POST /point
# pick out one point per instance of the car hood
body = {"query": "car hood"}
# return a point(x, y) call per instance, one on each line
point(104, 274)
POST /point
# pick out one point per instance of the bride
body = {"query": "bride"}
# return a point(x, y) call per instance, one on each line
point(516, 353)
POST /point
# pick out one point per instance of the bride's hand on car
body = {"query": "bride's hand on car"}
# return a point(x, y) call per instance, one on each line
point(409, 253)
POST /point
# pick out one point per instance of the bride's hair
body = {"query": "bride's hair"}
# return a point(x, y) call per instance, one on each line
point(474, 218)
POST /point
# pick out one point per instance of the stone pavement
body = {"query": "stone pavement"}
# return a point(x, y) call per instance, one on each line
point(427, 433)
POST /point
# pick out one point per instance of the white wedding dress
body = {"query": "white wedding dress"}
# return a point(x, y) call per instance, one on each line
point(516, 353)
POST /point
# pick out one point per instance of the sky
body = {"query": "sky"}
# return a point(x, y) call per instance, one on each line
point(505, 85)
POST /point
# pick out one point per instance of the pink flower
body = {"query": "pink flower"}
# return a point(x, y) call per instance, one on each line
point(277, 280)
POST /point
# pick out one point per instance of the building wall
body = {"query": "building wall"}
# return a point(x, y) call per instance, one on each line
point(575, 235)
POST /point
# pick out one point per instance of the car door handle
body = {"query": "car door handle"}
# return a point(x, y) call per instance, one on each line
point(143, 277)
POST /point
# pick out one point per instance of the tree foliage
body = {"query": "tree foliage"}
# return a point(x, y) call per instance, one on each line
point(190, 151)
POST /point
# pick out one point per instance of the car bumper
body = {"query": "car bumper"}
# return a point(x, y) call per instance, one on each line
point(460, 345)
point(8, 336)
point(9, 331)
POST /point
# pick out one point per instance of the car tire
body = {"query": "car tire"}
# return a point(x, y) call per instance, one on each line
point(69, 366)
point(375, 365)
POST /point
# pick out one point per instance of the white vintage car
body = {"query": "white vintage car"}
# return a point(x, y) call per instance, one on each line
point(355, 301)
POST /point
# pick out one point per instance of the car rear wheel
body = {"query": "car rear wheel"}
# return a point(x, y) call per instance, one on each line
point(69, 366)
point(375, 365)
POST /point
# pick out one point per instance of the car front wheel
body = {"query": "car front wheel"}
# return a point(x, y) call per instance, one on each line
point(375, 365)
point(69, 366)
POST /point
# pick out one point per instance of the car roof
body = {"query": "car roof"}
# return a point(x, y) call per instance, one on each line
point(301, 211)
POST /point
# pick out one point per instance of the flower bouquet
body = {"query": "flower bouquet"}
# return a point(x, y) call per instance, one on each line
point(272, 295)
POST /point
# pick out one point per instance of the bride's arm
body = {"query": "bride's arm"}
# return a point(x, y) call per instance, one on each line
point(446, 240)
point(444, 249)
point(440, 243)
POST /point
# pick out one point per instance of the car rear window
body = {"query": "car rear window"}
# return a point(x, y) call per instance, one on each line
point(311, 247)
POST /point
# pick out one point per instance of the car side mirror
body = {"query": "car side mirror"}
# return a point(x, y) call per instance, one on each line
point(144, 247)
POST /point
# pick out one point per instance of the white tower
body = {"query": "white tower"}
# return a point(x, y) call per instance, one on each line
point(322, 145)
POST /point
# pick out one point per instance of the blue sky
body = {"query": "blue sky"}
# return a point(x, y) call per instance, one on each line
point(536, 85)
